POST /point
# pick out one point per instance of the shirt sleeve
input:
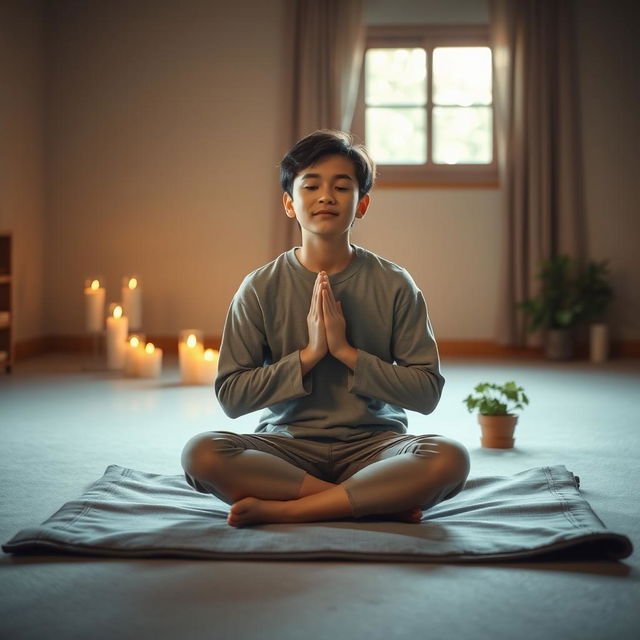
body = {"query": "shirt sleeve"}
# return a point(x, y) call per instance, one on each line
point(414, 382)
point(247, 381)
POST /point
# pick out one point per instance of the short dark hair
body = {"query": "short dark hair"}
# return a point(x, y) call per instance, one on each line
point(327, 142)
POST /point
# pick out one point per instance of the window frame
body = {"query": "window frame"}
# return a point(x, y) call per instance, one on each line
point(428, 37)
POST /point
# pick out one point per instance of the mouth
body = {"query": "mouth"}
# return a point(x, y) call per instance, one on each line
point(325, 213)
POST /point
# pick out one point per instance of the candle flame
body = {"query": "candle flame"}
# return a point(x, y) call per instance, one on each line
point(134, 341)
point(133, 283)
point(192, 341)
point(95, 285)
point(210, 354)
point(150, 348)
point(117, 311)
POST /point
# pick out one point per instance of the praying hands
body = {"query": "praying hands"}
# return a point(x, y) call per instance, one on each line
point(327, 328)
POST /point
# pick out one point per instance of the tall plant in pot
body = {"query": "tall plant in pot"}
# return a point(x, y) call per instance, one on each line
point(496, 404)
point(596, 294)
point(558, 307)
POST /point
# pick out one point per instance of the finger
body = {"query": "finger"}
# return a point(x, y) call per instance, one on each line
point(327, 303)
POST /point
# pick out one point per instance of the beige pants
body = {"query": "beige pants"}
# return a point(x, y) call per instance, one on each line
point(384, 473)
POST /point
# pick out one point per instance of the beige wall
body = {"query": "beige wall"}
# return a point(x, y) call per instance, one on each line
point(609, 52)
point(21, 158)
point(164, 124)
point(164, 130)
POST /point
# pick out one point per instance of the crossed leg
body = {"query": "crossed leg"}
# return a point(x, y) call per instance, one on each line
point(264, 488)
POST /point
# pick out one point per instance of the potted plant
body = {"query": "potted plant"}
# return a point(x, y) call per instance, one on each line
point(496, 404)
point(596, 294)
point(558, 308)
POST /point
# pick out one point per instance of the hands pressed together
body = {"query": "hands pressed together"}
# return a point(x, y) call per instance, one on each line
point(327, 328)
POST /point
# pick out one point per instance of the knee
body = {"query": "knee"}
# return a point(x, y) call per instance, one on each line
point(203, 453)
point(451, 460)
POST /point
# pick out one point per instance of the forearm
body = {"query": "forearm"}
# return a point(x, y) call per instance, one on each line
point(416, 387)
point(242, 390)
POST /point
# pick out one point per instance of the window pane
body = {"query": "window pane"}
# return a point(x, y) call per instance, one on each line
point(462, 75)
point(462, 135)
point(396, 136)
point(395, 77)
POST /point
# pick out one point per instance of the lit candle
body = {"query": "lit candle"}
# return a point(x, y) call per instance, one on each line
point(132, 301)
point(94, 296)
point(116, 337)
point(135, 353)
point(209, 366)
point(151, 363)
point(190, 351)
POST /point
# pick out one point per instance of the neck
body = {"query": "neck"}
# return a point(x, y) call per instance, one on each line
point(317, 255)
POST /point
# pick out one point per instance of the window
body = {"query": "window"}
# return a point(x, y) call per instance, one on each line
point(425, 110)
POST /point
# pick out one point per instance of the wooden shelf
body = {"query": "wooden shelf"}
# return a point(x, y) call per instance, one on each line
point(5, 279)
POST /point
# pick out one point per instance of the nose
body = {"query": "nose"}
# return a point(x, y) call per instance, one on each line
point(325, 196)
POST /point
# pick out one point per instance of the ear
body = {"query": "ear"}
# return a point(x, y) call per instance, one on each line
point(363, 205)
point(287, 201)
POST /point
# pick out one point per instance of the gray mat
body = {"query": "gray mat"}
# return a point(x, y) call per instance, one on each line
point(129, 513)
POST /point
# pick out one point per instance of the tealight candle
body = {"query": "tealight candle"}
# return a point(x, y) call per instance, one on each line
point(151, 363)
point(135, 353)
point(190, 351)
point(117, 328)
point(132, 301)
point(94, 296)
point(209, 366)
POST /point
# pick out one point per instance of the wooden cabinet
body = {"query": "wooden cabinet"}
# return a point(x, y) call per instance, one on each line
point(6, 316)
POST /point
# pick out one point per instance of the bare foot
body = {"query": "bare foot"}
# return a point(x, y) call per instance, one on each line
point(250, 511)
point(255, 511)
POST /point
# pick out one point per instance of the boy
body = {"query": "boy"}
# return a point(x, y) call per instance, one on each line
point(332, 342)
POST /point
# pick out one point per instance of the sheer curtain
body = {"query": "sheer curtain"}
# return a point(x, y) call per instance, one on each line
point(536, 104)
point(327, 54)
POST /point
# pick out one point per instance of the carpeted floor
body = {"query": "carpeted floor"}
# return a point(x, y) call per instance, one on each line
point(61, 426)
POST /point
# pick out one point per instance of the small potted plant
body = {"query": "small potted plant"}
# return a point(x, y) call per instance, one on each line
point(495, 404)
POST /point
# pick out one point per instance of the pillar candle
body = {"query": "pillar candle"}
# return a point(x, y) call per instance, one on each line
point(132, 301)
point(135, 353)
point(94, 296)
point(151, 362)
point(117, 328)
point(209, 366)
point(190, 351)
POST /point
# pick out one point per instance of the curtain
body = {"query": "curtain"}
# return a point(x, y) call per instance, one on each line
point(327, 53)
point(539, 158)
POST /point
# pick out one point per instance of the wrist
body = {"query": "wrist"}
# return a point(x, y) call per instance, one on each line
point(348, 355)
point(309, 358)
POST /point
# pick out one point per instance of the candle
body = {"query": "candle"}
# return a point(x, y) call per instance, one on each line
point(209, 366)
point(117, 327)
point(132, 301)
point(94, 295)
point(151, 363)
point(135, 353)
point(190, 351)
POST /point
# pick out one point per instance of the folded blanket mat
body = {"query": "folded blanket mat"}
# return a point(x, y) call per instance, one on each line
point(537, 513)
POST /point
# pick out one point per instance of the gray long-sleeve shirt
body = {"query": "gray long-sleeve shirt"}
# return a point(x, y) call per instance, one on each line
point(387, 322)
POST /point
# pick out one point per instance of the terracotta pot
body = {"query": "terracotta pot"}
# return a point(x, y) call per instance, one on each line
point(497, 431)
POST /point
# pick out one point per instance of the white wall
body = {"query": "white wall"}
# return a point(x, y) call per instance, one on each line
point(21, 158)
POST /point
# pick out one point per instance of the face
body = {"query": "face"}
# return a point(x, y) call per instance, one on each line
point(325, 197)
